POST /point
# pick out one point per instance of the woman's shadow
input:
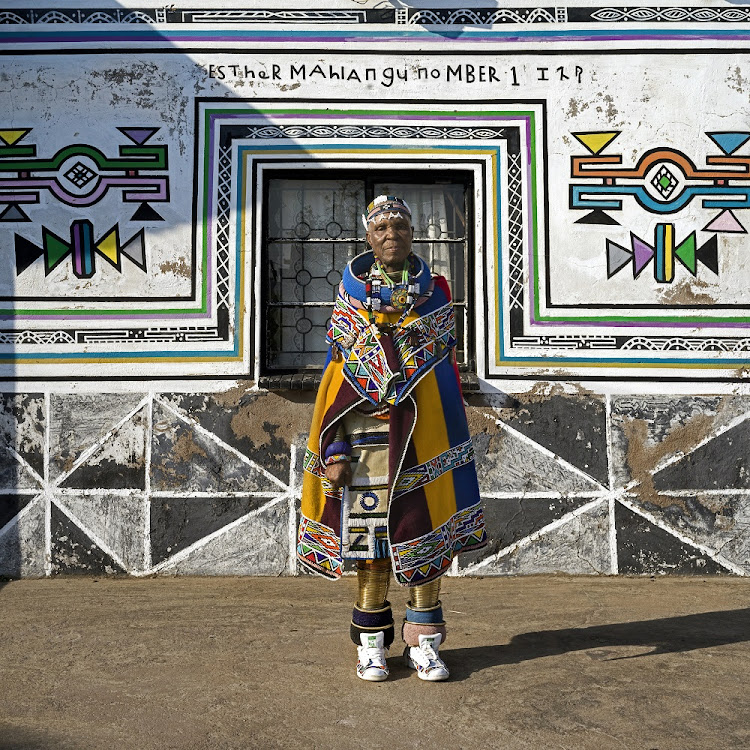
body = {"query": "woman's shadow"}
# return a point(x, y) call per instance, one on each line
point(661, 636)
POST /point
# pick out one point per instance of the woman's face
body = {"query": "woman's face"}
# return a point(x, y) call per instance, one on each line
point(390, 239)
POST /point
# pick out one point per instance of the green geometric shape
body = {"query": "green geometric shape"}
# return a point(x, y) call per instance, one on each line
point(6, 152)
point(685, 252)
point(133, 157)
point(55, 250)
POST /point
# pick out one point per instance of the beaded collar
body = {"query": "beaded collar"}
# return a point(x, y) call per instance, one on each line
point(357, 277)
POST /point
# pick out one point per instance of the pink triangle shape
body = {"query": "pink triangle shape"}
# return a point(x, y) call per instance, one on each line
point(643, 253)
point(726, 221)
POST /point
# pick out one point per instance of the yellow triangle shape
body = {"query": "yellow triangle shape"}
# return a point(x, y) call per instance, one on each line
point(595, 142)
point(10, 137)
point(109, 247)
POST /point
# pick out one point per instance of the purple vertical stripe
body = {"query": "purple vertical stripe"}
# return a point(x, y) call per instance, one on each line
point(77, 249)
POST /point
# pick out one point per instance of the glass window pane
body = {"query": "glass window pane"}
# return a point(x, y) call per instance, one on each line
point(315, 209)
point(437, 210)
point(301, 270)
point(308, 223)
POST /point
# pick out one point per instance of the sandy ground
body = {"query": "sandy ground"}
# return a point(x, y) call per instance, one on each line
point(536, 662)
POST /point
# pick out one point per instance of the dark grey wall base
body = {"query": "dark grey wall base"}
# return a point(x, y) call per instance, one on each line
point(208, 484)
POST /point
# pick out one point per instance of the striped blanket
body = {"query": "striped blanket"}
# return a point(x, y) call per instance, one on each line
point(433, 508)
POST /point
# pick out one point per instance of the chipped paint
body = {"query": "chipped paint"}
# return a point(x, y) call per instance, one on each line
point(688, 292)
point(177, 267)
point(643, 457)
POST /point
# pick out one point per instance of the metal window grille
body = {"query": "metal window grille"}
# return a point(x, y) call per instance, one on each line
point(313, 228)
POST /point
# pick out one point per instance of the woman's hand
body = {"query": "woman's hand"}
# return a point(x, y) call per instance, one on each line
point(339, 474)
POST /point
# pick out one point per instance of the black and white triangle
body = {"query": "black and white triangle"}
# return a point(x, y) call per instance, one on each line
point(98, 494)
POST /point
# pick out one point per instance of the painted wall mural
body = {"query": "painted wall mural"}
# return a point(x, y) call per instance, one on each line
point(92, 228)
point(686, 222)
point(610, 233)
point(663, 182)
point(80, 176)
point(601, 155)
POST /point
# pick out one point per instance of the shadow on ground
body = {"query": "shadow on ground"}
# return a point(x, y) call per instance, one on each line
point(17, 738)
point(663, 636)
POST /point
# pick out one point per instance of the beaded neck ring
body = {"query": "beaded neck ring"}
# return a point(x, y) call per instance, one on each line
point(358, 271)
point(403, 296)
point(358, 283)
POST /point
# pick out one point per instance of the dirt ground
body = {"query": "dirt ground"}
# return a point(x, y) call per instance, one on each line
point(536, 662)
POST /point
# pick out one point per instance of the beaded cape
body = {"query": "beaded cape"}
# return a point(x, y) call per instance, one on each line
point(402, 360)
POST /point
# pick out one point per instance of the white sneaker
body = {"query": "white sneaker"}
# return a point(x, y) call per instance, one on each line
point(371, 665)
point(424, 658)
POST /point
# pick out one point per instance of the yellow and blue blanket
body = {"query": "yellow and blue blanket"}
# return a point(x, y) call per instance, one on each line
point(433, 511)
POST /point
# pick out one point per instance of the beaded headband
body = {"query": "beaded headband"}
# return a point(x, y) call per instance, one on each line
point(389, 205)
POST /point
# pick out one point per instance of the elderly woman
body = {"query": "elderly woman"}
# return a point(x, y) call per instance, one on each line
point(389, 477)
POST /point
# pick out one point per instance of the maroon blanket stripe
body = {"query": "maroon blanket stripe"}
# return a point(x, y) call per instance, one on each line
point(400, 422)
point(345, 398)
point(409, 515)
point(332, 514)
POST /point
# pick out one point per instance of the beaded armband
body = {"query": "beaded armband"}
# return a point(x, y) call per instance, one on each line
point(337, 458)
point(338, 451)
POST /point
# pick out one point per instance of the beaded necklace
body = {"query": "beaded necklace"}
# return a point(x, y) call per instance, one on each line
point(387, 277)
point(402, 296)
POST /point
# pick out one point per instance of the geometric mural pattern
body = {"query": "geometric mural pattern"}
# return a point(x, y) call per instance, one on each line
point(534, 336)
point(498, 136)
point(141, 484)
point(666, 492)
point(75, 247)
point(527, 331)
point(378, 15)
point(659, 184)
point(132, 484)
point(656, 242)
point(149, 483)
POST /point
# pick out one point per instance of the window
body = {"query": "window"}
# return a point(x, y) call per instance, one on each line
point(313, 227)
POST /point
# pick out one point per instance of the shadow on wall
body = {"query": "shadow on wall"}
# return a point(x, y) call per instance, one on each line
point(83, 217)
point(664, 636)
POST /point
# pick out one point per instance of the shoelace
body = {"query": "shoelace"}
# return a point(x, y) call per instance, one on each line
point(430, 653)
point(375, 655)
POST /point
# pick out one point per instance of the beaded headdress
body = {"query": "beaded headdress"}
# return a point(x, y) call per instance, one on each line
point(389, 205)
